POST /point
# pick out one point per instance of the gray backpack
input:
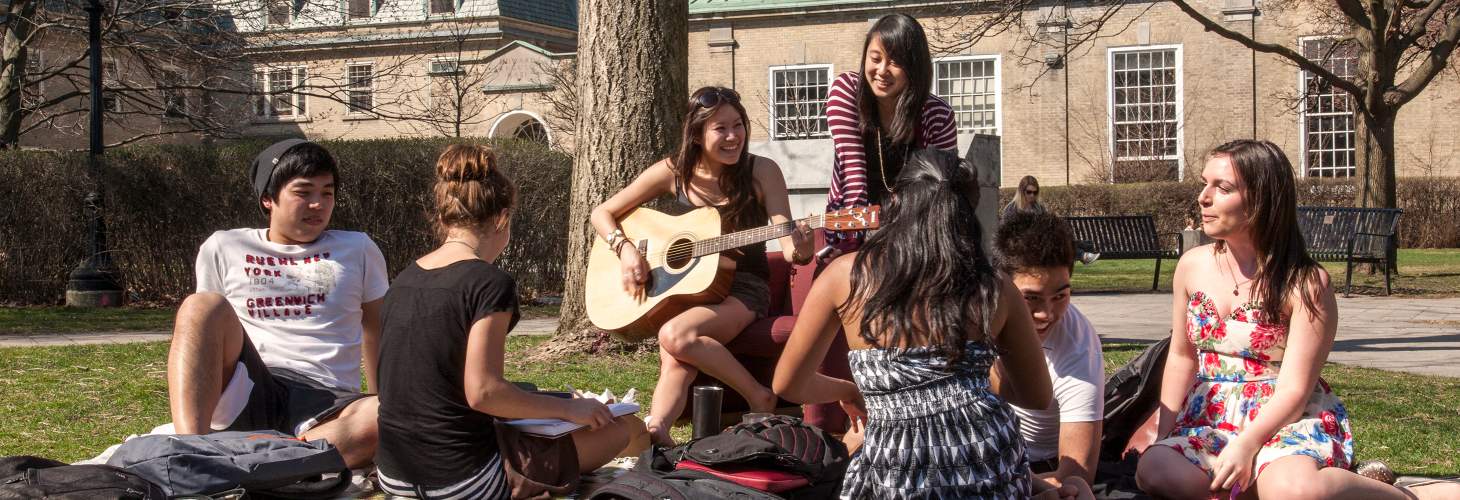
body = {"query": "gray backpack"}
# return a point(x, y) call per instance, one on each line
point(265, 464)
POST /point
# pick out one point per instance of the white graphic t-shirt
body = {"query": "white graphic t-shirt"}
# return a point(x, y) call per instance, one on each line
point(1077, 370)
point(299, 304)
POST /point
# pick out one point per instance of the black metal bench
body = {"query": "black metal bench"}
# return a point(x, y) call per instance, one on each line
point(1126, 237)
point(1349, 235)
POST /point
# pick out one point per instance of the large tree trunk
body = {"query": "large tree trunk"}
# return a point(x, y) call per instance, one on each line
point(12, 81)
point(1376, 160)
point(632, 78)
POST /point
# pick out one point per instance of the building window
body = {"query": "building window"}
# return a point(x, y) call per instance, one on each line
point(798, 101)
point(1328, 112)
point(361, 87)
point(531, 130)
point(33, 93)
point(971, 87)
point(279, 12)
point(1145, 120)
point(361, 9)
point(443, 6)
point(280, 92)
point(174, 100)
point(111, 82)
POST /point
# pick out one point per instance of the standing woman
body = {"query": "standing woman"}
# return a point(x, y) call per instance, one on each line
point(1253, 320)
point(712, 168)
point(879, 115)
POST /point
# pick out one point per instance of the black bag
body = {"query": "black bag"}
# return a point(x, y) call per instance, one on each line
point(1131, 394)
point(27, 477)
point(266, 464)
point(780, 443)
point(678, 485)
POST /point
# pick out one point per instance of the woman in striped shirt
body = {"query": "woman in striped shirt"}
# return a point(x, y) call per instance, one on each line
point(879, 115)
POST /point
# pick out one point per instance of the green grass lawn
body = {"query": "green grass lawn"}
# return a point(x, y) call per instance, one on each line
point(22, 320)
point(1427, 272)
point(71, 402)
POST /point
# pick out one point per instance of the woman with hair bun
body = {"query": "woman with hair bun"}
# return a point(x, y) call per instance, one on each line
point(442, 392)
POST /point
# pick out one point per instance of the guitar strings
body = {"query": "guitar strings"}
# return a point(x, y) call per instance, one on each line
point(720, 242)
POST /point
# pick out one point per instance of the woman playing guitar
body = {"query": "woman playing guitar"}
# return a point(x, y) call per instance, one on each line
point(711, 168)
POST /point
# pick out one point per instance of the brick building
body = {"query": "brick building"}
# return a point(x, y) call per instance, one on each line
point(1143, 101)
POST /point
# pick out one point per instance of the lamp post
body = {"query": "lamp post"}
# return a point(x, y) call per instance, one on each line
point(95, 282)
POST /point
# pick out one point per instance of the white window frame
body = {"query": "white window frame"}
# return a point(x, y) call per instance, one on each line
point(431, 66)
point(1180, 106)
point(350, 89)
point(372, 8)
point(998, 87)
point(1303, 113)
point(288, 8)
point(110, 80)
point(299, 76)
point(771, 97)
point(455, 9)
point(34, 66)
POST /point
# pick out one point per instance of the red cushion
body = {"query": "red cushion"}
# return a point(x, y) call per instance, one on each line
point(774, 481)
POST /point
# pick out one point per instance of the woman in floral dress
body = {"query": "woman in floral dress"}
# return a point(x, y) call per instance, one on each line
point(1254, 318)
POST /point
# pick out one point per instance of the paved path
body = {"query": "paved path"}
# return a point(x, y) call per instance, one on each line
point(1405, 334)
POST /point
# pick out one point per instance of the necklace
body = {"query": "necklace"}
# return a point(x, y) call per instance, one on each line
point(882, 165)
point(462, 243)
point(1235, 284)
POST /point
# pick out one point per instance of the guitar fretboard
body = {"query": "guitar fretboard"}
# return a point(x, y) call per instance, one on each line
point(751, 236)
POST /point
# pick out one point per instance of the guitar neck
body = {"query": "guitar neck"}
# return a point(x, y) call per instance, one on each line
point(752, 236)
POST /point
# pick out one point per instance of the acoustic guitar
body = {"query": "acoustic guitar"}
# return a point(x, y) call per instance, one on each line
point(685, 265)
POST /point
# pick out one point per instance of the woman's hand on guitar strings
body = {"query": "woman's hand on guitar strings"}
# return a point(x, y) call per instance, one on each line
point(804, 239)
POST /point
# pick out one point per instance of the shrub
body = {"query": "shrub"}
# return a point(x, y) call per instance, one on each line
point(164, 200)
point(1430, 204)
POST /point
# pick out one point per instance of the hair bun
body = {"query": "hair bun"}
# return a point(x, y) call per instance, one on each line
point(462, 163)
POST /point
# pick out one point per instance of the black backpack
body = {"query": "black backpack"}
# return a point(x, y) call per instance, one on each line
point(265, 464)
point(28, 477)
point(1131, 394)
point(780, 443)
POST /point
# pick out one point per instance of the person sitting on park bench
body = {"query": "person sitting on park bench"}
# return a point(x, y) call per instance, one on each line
point(1037, 250)
point(283, 317)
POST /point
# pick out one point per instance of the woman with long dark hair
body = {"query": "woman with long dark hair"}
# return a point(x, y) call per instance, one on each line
point(712, 168)
point(880, 114)
point(926, 316)
point(1253, 319)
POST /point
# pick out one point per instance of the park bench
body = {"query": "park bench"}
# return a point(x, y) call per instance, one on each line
point(1126, 237)
point(1349, 235)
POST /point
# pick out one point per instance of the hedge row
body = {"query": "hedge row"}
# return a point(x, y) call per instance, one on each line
point(1431, 204)
point(164, 200)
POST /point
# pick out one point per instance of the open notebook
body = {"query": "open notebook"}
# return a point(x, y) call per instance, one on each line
point(552, 427)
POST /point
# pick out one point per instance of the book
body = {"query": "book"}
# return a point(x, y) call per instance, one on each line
point(553, 427)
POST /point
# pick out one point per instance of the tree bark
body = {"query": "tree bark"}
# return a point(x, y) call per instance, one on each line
point(1376, 159)
point(632, 78)
point(12, 80)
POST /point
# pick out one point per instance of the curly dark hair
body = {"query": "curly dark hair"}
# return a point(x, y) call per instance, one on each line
point(1028, 240)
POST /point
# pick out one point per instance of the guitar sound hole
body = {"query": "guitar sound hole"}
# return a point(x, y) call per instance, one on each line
point(679, 254)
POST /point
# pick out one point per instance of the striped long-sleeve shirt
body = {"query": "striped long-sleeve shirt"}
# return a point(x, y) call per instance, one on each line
point(849, 174)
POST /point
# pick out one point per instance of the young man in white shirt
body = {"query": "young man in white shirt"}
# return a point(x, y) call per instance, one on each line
point(283, 317)
point(1037, 250)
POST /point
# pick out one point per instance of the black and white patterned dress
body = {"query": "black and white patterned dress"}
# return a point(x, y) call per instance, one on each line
point(934, 430)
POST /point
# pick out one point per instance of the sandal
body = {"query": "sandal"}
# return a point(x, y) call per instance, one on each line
point(1376, 470)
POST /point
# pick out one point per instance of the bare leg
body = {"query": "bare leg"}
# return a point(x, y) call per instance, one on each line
point(695, 339)
point(670, 391)
point(1300, 478)
point(207, 340)
point(354, 432)
point(597, 447)
point(1165, 473)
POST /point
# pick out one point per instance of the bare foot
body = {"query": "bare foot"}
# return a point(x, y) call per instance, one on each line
point(658, 434)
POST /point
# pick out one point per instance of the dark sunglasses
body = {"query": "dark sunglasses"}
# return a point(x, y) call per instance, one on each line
point(1034, 192)
point(715, 96)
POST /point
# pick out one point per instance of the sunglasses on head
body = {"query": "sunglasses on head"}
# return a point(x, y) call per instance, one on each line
point(715, 96)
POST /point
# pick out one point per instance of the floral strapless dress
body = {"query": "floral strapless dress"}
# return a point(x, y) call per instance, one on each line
point(1238, 358)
